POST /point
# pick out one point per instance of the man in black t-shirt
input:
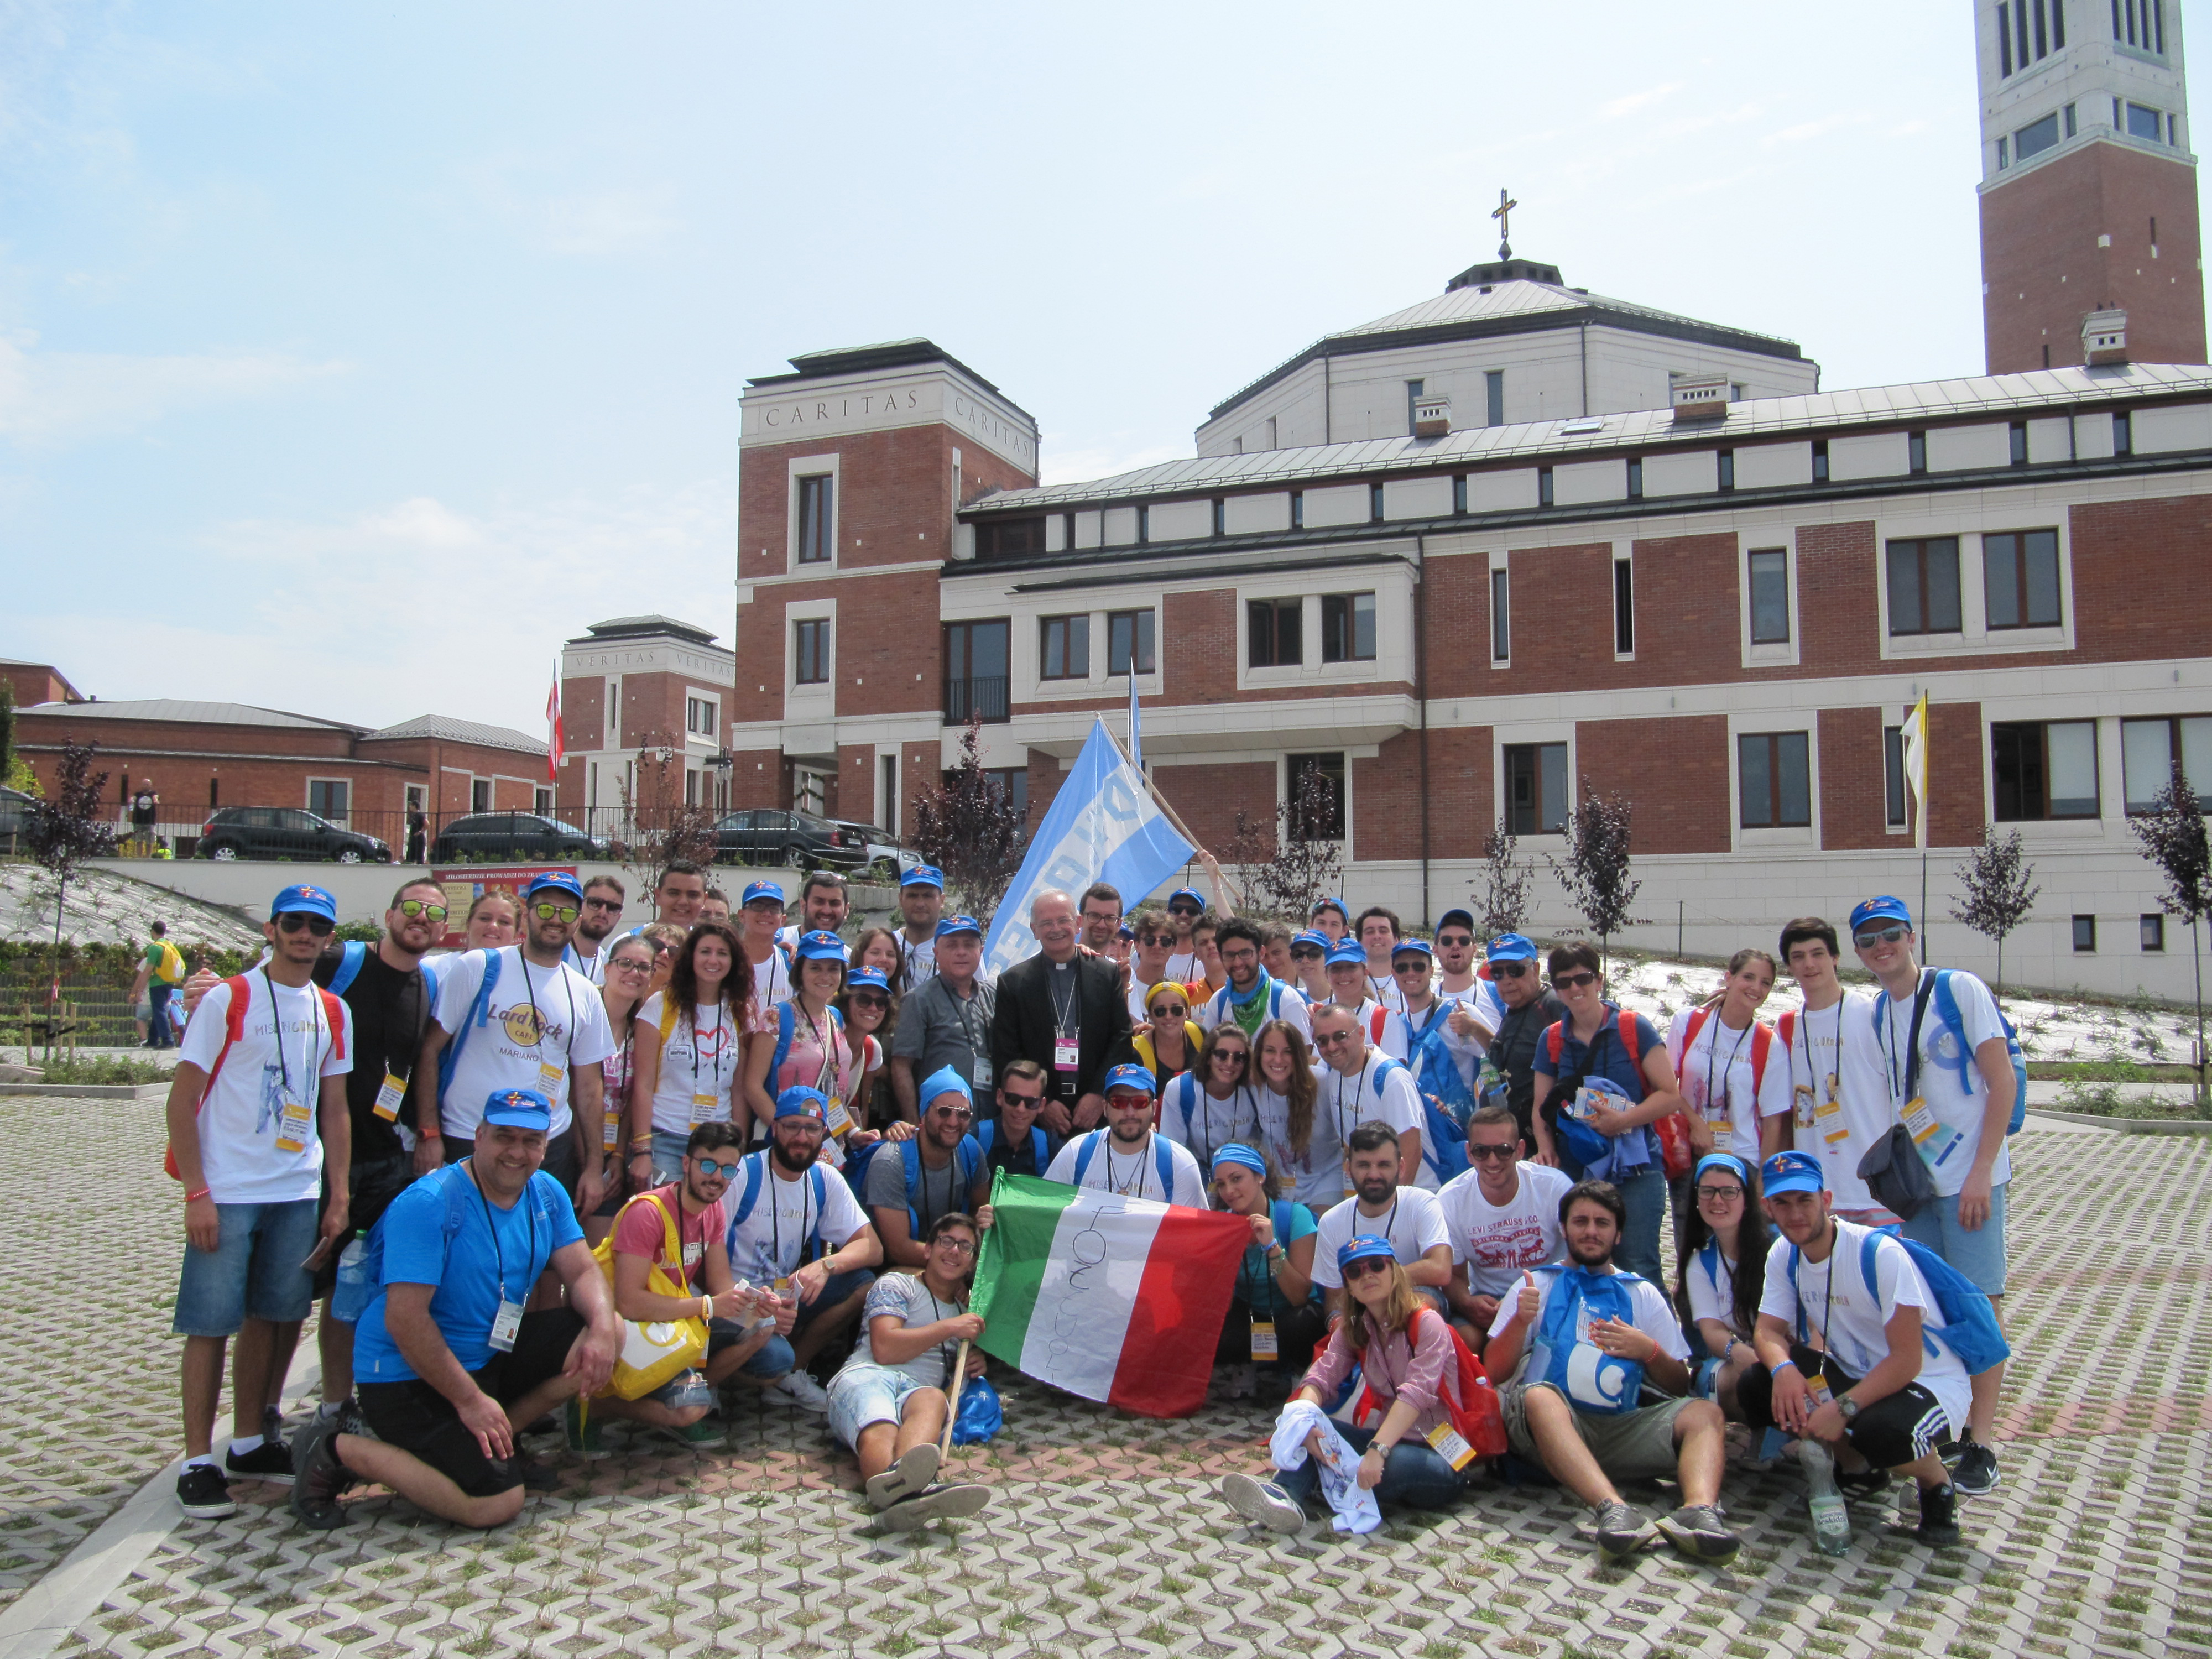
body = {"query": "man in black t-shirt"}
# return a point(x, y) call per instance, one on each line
point(1530, 1010)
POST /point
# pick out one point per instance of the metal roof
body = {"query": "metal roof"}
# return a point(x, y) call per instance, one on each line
point(630, 626)
point(193, 714)
point(446, 729)
point(1766, 419)
point(913, 353)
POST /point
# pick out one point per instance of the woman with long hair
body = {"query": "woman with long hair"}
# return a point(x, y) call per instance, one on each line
point(1301, 1142)
point(1720, 1272)
point(1735, 1083)
point(1275, 1316)
point(869, 1008)
point(802, 1040)
point(691, 1046)
point(1167, 1049)
point(629, 969)
point(1214, 1103)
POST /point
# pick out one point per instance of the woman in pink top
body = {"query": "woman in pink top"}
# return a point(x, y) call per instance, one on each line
point(804, 1044)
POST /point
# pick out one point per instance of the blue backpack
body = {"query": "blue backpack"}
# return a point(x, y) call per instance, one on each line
point(1946, 1010)
point(787, 1026)
point(457, 1191)
point(1446, 1101)
point(756, 1178)
point(966, 1157)
point(987, 1136)
point(1970, 1324)
point(1162, 1158)
point(1591, 1379)
point(478, 1016)
point(348, 967)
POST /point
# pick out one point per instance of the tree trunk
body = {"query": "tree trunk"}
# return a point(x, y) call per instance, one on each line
point(2197, 960)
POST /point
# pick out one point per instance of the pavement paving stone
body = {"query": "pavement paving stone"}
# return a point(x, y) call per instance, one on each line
point(1105, 1537)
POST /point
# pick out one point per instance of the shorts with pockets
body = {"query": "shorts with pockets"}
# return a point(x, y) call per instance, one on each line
point(864, 1394)
point(1637, 1445)
point(1978, 1254)
point(253, 1273)
point(414, 1416)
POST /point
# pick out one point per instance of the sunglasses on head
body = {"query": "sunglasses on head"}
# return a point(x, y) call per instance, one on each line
point(293, 920)
point(1361, 1266)
point(1874, 936)
point(550, 912)
point(422, 908)
point(1573, 980)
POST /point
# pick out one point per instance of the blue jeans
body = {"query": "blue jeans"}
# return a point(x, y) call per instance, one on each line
point(1645, 1196)
point(253, 1273)
point(776, 1358)
point(160, 1033)
point(1413, 1474)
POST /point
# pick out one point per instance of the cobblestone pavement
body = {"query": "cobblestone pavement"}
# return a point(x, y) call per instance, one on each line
point(1104, 1537)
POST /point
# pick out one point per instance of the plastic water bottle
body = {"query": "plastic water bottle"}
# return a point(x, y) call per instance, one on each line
point(349, 1296)
point(1831, 1520)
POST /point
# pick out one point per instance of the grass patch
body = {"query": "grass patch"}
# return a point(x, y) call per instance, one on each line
point(2112, 1088)
point(103, 1070)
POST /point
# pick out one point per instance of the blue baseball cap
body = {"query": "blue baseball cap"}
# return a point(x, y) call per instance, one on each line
point(314, 901)
point(519, 1109)
point(1129, 1077)
point(799, 1101)
point(559, 879)
point(1883, 908)
point(1335, 904)
point(1360, 1247)
point(870, 979)
point(1313, 936)
point(1465, 918)
point(1418, 946)
point(1791, 1172)
point(1123, 931)
point(1190, 893)
point(959, 924)
point(761, 890)
point(924, 875)
point(1511, 947)
point(1347, 950)
point(821, 947)
point(945, 1080)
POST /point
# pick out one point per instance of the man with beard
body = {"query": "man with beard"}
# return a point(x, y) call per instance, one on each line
point(603, 908)
point(1126, 1157)
point(1253, 995)
point(912, 1182)
point(796, 1228)
point(823, 909)
point(1407, 1216)
point(1359, 1084)
point(1530, 1010)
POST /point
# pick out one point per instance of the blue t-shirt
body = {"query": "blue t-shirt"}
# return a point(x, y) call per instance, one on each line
point(1255, 1280)
point(1609, 1058)
point(489, 1245)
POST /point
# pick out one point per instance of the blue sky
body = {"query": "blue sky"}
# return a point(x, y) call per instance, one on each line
point(352, 357)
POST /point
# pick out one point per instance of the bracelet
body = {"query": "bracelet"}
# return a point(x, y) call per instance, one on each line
point(429, 1134)
point(1778, 1369)
point(706, 1307)
point(194, 1198)
point(640, 1143)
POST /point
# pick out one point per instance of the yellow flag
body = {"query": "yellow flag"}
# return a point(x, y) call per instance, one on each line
point(1915, 736)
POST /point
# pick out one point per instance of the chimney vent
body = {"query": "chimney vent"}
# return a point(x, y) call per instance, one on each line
point(1698, 396)
point(2105, 338)
point(1431, 416)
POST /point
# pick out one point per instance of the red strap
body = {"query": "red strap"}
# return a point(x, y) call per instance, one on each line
point(234, 1026)
point(1552, 1039)
point(1787, 1025)
point(1762, 1040)
point(1631, 1040)
point(1689, 1039)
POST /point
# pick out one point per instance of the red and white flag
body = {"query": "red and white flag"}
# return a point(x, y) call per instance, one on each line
point(555, 747)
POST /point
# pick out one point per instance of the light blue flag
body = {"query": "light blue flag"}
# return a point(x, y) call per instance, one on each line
point(1104, 825)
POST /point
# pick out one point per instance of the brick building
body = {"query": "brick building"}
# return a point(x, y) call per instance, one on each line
point(642, 694)
point(37, 682)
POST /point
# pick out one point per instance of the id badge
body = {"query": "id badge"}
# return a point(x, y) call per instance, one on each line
point(838, 1120)
point(1065, 1050)
point(551, 1078)
point(1803, 1098)
point(1817, 1389)
point(1919, 1122)
point(1828, 1116)
point(293, 1128)
point(980, 1074)
point(388, 1098)
point(1450, 1446)
point(611, 1129)
point(783, 1284)
point(1264, 1344)
point(505, 1323)
point(702, 1108)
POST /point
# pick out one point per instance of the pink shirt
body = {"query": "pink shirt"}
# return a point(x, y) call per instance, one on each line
point(1393, 1371)
point(803, 1064)
point(641, 1231)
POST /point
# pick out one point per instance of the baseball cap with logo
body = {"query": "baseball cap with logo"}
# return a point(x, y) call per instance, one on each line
point(312, 900)
point(519, 1109)
point(924, 875)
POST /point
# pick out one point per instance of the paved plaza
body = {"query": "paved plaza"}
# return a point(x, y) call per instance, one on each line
point(1105, 1537)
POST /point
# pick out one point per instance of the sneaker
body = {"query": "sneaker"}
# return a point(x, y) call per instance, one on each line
point(583, 1430)
point(269, 1461)
point(1262, 1504)
point(1858, 1487)
point(534, 1475)
point(1949, 1449)
point(1699, 1532)
point(203, 1494)
point(1975, 1475)
point(1939, 1516)
point(910, 1475)
point(942, 1502)
point(272, 1425)
point(322, 1479)
point(1620, 1530)
point(802, 1390)
point(705, 1433)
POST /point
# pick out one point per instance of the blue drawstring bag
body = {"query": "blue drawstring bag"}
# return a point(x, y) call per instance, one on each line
point(980, 1416)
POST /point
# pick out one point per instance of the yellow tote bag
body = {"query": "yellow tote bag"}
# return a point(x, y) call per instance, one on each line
point(655, 1351)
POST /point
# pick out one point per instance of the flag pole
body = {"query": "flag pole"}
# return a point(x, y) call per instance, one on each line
point(952, 1400)
point(1153, 789)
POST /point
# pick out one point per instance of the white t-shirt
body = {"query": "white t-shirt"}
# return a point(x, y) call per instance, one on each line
point(1210, 1124)
point(1402, 1029)
point(1383, 988)
point(1854, 1323)
point(767, 1244)
point(1833, 1058)
point(1712, 1290)
point(593, 967)
point(1136, 1175)
point(1655, 1316)
point(921, 960)
point(1183, 968)
point(1316, 1177)
point(1285, 1002)
point(771, 982)
point(1414, 1224)
point(536, 1017)
point(1376, 1094)
point(1137, 1014)
point(1499, 1241)
point(1940, 1084)
point(1723, 1084)
point(706, 1061)
point(287, 1043)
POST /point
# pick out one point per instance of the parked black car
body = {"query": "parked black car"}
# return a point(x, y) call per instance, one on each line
point(284, 832)
point(765, 835)
point(515, 836)
point(14, 819)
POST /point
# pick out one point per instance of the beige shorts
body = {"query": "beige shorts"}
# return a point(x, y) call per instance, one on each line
point(1637, 1445)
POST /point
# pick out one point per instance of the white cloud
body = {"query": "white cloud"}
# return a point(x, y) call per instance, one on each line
point(1628, 105)
point(60, 397)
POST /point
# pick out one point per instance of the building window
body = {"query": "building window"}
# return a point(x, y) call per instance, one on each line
point(1494, 397)
point(1273, 630)
point(1375, 503)
point(2044, 770)
point(215, 793)
point(1770, 596)
point(810, 790)
point(479, 794)
point(1892, 777)
point(976, 655)
point(2144, 123)
point(1624, 608)
point(1915, 453)
point(810, 651)
point(1501, 616)
point(1413, 397)
point(1347, 627)
point(2004, 156)
point(2019, 575)
point(817, 505)
point(1297, 509)
point(2069, 114)
point(887, 813)
point(1009, 538)
point(1328, 769)
point(2004, 37)
point(1064, 647)
point(2036, 137)
point(1535, 788)
point(2152, 929)
point(1819, 461)
point(541, 799)
point(2085, 935)
point(1459, 494)
point(2148, 749)
point(699, 716)
point(1923, 586)
point(1774, 776)
point(1726, 469)
point(1067, 531)
point(1144, 523)
point(1220, 516)
point(1129, 638)
point(330, 798)
point(1635, 477)
point(2123, 434)
point(1543, 486)
point(2018, 434)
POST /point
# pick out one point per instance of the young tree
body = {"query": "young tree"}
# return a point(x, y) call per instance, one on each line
point(662, 826)
point(1285, 864)
point(1595, 871)
point(1994, 895)
point(2173, 838)
point(61, 832)
point(1503, 895)
point(971, 829)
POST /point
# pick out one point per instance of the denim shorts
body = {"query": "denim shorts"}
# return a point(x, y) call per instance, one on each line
point(1979, 1254)
point(863, 1394)
point(253, 1273)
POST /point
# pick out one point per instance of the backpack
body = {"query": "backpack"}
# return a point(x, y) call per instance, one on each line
point(966, 1157)
point(1446, 1103)
point(234, 1027)
point(1591, 1379)
point(1163, 1159)
point(478, 1016)
point(1946, 1009)
point(786, 1027)
point(1472, 1407)
point(1762, 1044)
point(1672, 1134)
point(169, 968)
point(348, 967)
point(757, 1177)
point(1970, 1324)
point(456, 1191)
point(987, 1134)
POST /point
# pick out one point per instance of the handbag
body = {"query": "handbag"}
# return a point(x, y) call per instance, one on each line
point(652, 1351)
point(1894, 1174)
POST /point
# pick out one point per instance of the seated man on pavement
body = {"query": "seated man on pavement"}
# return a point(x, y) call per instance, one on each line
point(447, 1365)
point(1407, 1216)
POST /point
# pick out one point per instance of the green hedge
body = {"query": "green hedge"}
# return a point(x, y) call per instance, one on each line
point(115, 963)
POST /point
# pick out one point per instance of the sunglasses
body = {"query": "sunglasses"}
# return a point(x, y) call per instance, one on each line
point(951, 1113)
point(1480, 1153)
point(1512, 969)
point(1239, 1055)
point(1182, 910)
point(873, 999)
point(1168, 1010)
point(710, 1170)
point(1446, 942)
point(1156, 939)
point(422, 908)
point(1363, 1265)
point(614, 905)
point(1310, 953)
point(1417, 965)
point(1573, 982)
point(293, 920)
point(554, 912)
point(1008, 1097)
point(1868, 941)
point(1334, 1038)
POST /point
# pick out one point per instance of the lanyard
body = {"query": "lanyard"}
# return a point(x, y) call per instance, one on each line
point(1805, 1031)
point(774, 961)
point(827, 1047)
point(1728, 1072)
point(960, 1006)
point(530, 992)
point(696, 1039)
point(1206, 1117)
point(775, 1223)
point(1358, 1087)
point(921, 1198)
point(936, 1308)
point(308, 1044)
point(499, 1256)
point(1389, 1222)
point(1136, 1186)
point(1899, 1094)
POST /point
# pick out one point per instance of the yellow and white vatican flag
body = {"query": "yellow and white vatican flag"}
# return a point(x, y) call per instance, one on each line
point(1915, 736)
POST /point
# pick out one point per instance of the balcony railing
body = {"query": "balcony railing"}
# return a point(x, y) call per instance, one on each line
point(977, 697)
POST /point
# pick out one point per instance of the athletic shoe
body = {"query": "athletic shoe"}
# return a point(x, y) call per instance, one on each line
point(802, 1390)
point(322, 1479)
point(583, 1430)
point(910, 1475)
point(1699, 1532)
point(269, 1461)
point(534, 1475)
point(704, 1433)
point(1262, 1504)
point(203, 1494)
point(272, 1425)
point(1975, 1475)
point(1949, 1450)
point(1938, 1517)
point(1867, 1483)
point(943, 1502)
point(1620, 1530)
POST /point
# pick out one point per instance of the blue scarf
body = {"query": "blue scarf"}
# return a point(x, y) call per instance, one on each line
point(1259, 988)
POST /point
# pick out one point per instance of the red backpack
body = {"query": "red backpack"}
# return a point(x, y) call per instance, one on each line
point(1470, 1401)
point(1762, 1043)
point(234, 1027)
point(1675, 1154)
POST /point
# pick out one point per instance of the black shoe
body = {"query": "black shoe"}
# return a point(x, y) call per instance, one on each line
point(1975, 1475)
point(203, 1494)
point(269, 1461)
point(1949, 1450)
point(1867, 1483)
point(534, 1475)
point(1938, 1517)
point(321, 1479)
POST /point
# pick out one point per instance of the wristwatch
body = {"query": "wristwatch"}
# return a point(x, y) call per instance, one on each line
point(1847, 1406)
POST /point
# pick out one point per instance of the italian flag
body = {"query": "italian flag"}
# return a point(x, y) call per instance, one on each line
point(1112, 1299)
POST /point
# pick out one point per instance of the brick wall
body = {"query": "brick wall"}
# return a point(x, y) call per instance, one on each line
point(1956, 808)
point(1686, 612)
point(1854, 791)
point(1198, 632)
point(1838, 604)
point(1206, 798)
point(1045, 778)
point(1674, 771)
point(1459, 627)
point(2138, 578)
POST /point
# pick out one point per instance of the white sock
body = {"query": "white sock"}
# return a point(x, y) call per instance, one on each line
point(205, 1460)
point(240, 1448)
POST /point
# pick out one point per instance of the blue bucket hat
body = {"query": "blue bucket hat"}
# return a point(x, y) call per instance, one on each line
point(1511, 947)
point(314, 901)
point(1360, 1247)
point(947, 925)
point(519, 1109)
point(1347, 950)
point(924, 875)
point(821, 947)
point(761, 890)
point(1791, 1172)
point(1129, 1077)
point(945, 1080)
point(799, 1101)
point(559, 880)
point(1883, 908)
